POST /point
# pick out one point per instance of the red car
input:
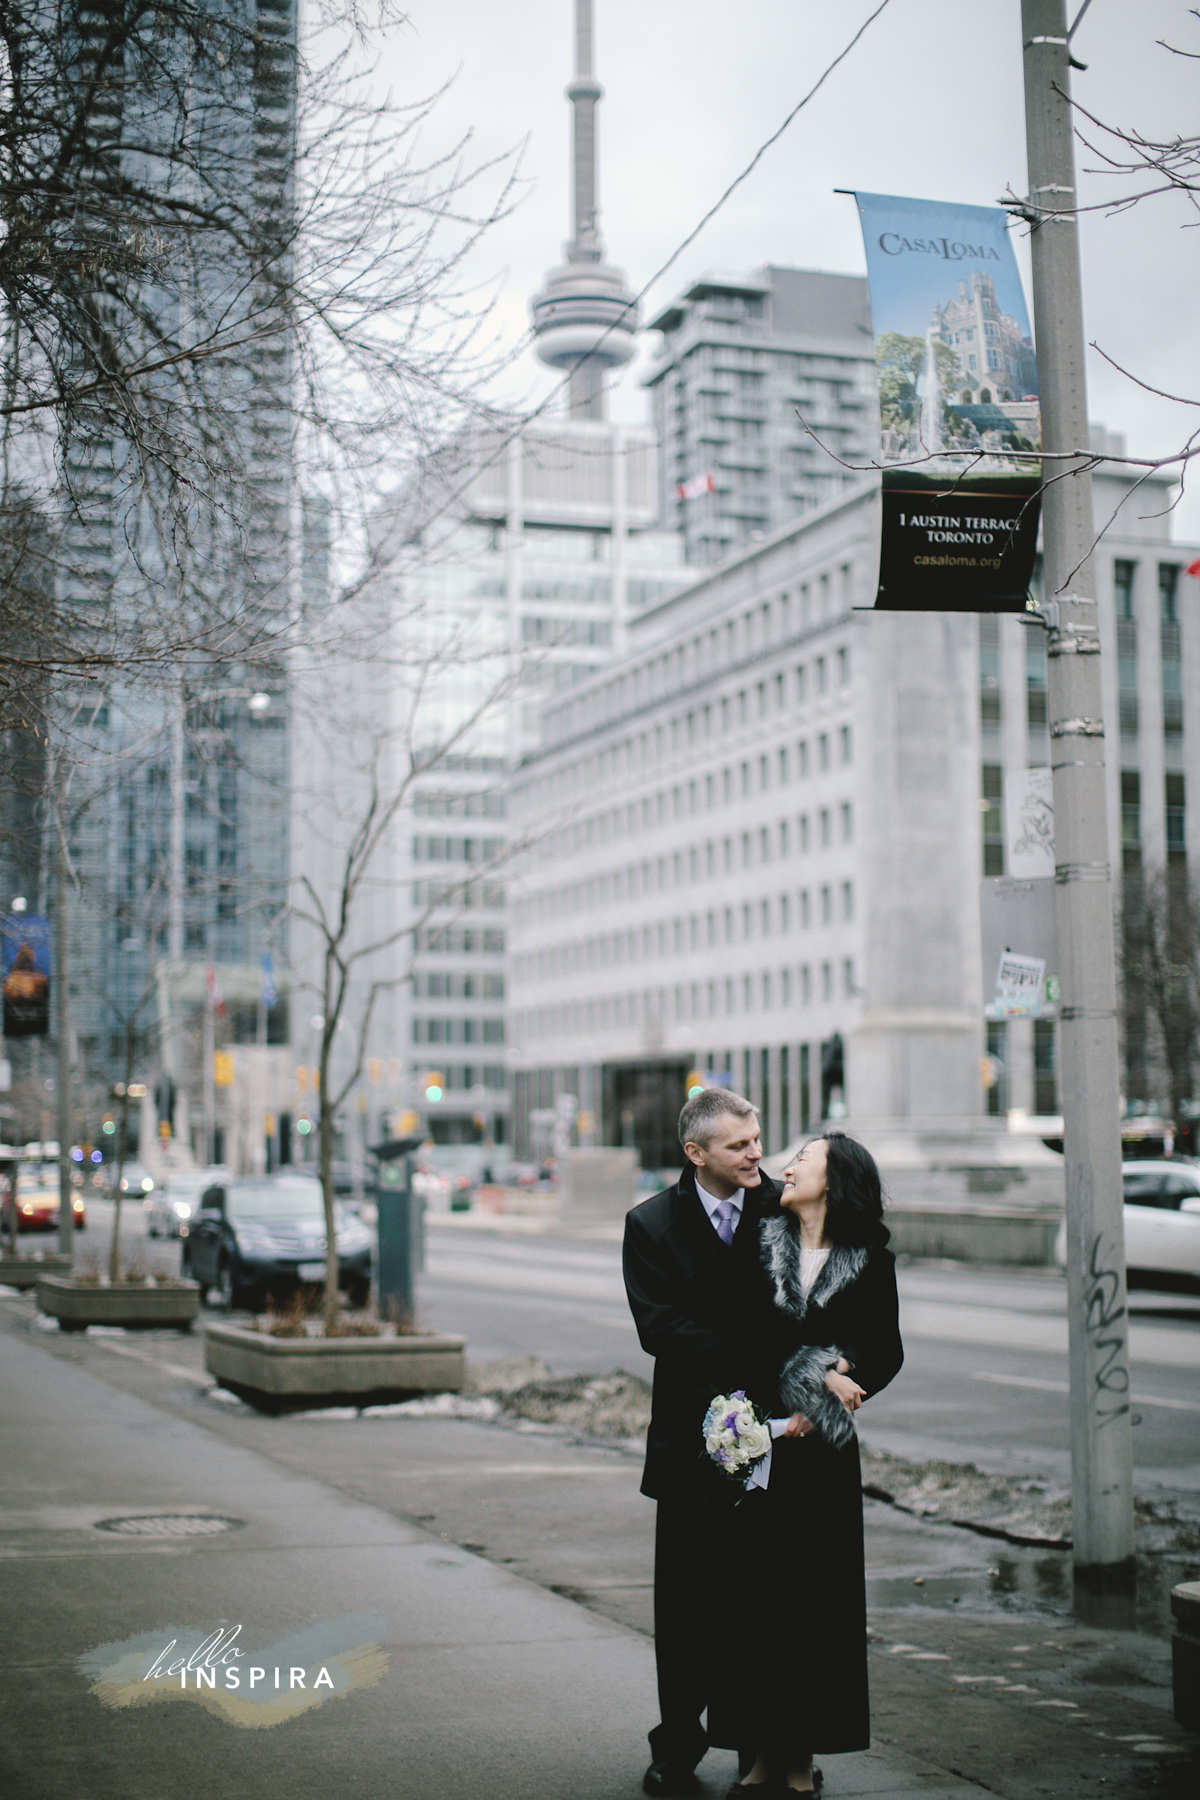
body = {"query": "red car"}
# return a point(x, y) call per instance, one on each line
point(37, 1203)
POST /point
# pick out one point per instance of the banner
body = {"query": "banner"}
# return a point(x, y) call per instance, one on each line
point(26, 967)
point(958, 403)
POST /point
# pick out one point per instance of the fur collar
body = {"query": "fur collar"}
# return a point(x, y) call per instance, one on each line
point(779, 1238)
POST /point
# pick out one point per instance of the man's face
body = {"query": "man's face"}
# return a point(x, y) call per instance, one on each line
point(731, 1157)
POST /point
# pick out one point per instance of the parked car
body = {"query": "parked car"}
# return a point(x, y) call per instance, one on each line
point(1162, 1224)
point(176, 1198)
point(266, 1235)
point(136, 1180)
point(37, 1203)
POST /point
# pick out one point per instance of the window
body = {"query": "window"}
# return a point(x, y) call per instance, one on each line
point(845, 744)
point(802, 749)
point(1131, 820)
point(846, 816)
point(1045, 1068)
point(745, 778)
point(1035, 680)
point(989, 671)
point(826, 905)
point(1172, 650)
point(805, 909)
point(764, 774)
point(805, 984)
point(764, 917)
point(848, 988)
point(843, 661)
point(823, 750)
point(847, 899)
point(820, 666)
point(1123, 588)
point(785, 912)
point(826, 823)
point(993, 819)
point(784, 771)
point(747, 920)
point(803, 833)
point(802, 684)
point(1176, 818)
point(827, 981)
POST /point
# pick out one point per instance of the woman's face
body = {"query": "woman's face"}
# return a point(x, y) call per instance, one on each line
point(804, 1179)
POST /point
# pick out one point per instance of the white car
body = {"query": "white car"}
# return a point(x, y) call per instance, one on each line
point(177, 1200)
point(1162, 1224)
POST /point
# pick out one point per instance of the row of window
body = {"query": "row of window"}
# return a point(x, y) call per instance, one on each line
point(457, 1031)
point(467, 894)
point(458, 984)
point(1176, 811)
point(1175, 806)
point(762, 918)
point(460, 1078)
point(457, 849)
point(681, 670)
point(804, 986)
point(460, 940)
point(723, 787)
point(434, 805)
point(699, 862)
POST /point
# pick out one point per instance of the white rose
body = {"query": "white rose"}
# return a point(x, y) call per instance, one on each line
point(745, 1421)
point(756, 1442)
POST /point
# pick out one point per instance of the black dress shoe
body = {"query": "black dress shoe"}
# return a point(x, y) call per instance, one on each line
point(669, 1777)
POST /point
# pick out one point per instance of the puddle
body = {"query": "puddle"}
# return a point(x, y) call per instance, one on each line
point(1019, 1580)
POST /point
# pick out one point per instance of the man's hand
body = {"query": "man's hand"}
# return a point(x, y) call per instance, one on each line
point(845, 1390)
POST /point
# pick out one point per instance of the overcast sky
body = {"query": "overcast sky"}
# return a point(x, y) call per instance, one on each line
point(928, 104)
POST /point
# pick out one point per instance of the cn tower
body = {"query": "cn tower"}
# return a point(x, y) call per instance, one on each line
point(585, 319)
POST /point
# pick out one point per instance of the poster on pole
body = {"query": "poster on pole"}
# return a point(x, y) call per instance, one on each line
point(960, 418)
point(26, 974)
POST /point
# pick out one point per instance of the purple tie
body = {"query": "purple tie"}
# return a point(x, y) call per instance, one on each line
point(725, 1217)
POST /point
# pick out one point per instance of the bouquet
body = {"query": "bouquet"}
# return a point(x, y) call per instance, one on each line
point(737, 1435)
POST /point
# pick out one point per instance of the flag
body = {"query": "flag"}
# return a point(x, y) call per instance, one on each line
point(270, 994)
point(1193, 568)
point(699, 484)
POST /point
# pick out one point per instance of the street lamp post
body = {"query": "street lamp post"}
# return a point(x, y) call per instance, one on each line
point(1101, 1438)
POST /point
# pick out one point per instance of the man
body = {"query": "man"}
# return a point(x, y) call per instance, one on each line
point(699, 1301)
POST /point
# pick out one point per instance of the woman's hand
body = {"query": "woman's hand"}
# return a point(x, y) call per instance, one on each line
point(845, 1390)
point(799, 1426)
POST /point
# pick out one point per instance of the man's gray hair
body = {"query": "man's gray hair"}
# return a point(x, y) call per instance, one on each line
point(698, 1120)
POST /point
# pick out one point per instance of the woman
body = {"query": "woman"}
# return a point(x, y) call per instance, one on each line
point(802, 1680)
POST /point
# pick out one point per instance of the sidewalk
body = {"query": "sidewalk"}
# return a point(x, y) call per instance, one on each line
point(493, 1686)
point(510, 1564)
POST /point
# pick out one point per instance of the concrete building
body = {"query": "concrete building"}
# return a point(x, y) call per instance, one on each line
point(761, 838)
point(751, 367)
point(530, 544)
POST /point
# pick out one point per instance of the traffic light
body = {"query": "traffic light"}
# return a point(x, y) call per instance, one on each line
point(695, 1083)
point(223, 1068)
point(435, 1087)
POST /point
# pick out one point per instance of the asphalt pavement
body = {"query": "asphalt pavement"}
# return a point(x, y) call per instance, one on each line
point(504, 1568)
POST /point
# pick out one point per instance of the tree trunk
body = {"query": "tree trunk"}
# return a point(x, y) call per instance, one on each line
point(332, 1298)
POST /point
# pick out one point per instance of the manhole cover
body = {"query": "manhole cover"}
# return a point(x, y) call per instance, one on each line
point(168, 1525)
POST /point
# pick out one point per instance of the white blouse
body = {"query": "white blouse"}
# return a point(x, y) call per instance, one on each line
point(811, 1264)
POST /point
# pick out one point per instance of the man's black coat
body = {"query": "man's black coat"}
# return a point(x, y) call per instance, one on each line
point(703, 1311)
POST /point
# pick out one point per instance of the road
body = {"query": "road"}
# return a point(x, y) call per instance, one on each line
point(985, 1375)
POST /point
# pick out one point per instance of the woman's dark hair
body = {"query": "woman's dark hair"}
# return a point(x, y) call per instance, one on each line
point(854, 1197)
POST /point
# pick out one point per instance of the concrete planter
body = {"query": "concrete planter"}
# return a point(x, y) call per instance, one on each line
point(283, 1374)
point(1023, 1236)
point(78, 1304)
point(27, 1271)
point(1185, 1654)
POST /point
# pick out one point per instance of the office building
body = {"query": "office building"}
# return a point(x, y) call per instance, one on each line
point(763, 392)
point(759, 840)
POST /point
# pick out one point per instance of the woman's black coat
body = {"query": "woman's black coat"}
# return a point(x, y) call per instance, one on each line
point(799, 1682)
